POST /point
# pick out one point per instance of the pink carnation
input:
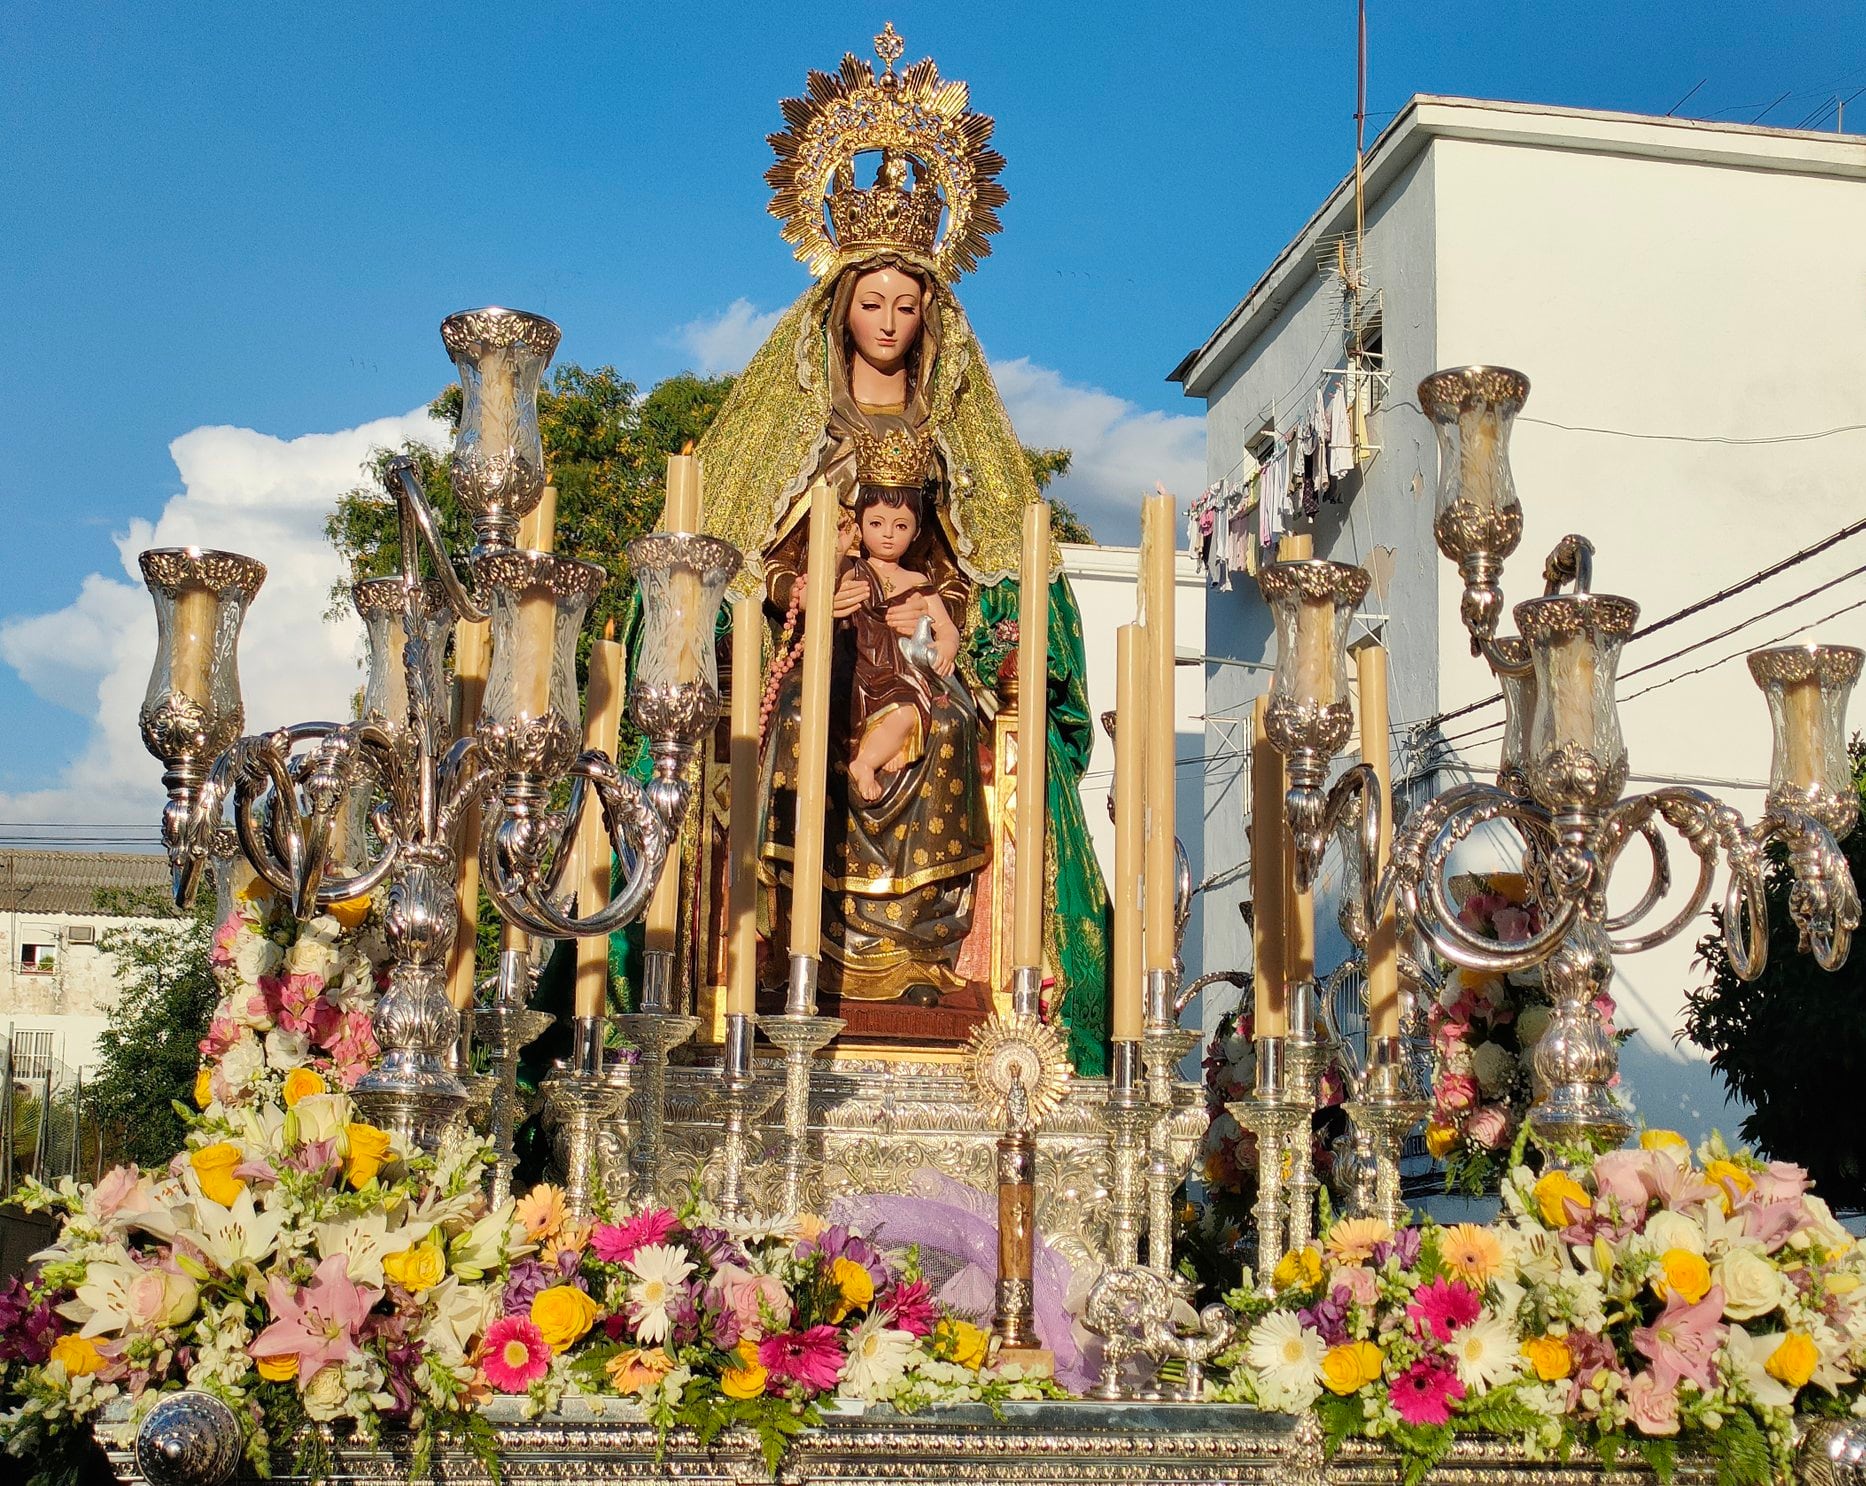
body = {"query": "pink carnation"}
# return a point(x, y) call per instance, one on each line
point(1653, 1409)
point(617, 1243)
point(810, 1358)
point(1443, 1306)
point(1457, 1091)
point(1489, 1127)
point(1425, 1392)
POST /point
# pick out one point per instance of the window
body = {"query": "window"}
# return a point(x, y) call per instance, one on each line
point(32, 1054)
point(37, 957)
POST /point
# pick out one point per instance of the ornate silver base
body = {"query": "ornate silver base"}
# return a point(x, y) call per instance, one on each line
point(1271, 1115)
point(1162, 1046)
point(505, 1030)
point(1575, 1058)
point(1128, 1117)
point(801, 1037)
point(740, 1101)
point(1139, 1311)
point(654, 1035)
point(1305, 1057)
point(580, 1098)
point(1386, 1109)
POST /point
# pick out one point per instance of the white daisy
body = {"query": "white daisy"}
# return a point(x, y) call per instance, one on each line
point(1287, 1358)
point(659, 1270)
point(878, 1357)
point(1486, 1352)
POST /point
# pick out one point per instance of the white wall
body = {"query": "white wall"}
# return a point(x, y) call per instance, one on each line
point(74, 1001)
point(1664, 297)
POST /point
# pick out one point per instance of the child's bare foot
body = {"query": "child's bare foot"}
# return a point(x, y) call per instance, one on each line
point(863, 774)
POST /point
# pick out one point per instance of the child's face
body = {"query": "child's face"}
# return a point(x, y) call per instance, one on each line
point(888, 531)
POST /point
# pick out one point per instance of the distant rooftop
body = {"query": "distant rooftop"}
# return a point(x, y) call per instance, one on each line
point(70, 881)
point(1428, 116)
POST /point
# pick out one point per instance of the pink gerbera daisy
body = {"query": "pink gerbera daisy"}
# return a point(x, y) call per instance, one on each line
point(617, 1243)
point(909, 1307)
point(1444, 1306)
point(1425, 1392)
point(517, 1354)
point(812, 1358)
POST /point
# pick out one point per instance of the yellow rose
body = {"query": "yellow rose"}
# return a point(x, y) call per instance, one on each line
point(963, 1342)
point(1734, 1180)
point(1663, 1140)
point(1554, 1191)
point(854, 1285)
point(368, 1148)
point(203, 1087)
point(78, 1355)
point(416, 1268)
point(1351, 1366)
point(1682, 1273)
point(563, 1313)
point(1441, 1140)
point(747, 1380)
point(213, 1169)
point(1550, 1357)
point(350, 912)
point(277, 1369)
point(1299, 1269)
point(1794, 1361)
point(301, 1083)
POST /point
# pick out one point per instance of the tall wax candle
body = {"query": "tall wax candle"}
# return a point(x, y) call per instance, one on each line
point(806, 905)
point(536, 634)
point(1571, 689)
point(1033, 665)
point(1315, 651)
point(192, 655)
point(682, 512)
point(1376, 753)
point(498, 397)
point(472, 654)
point(742, 829)
point(1130, 738)
point(602, 728)
point(1266, 872)
point(686, 628)
point(1162, 725)
point(1803, 764)
point(1296, 547)
point(537, 529)
point(1298, 915)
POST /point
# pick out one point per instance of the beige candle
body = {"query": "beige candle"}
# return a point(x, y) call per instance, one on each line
point(806, 907)
point(602, 729)
point(682, 511)
point(1382, 939)
point(537, 529)
point(742, 829)
point(192, 665)
point(1477, 466)
point(1315, 651)
point(1298, 916)
point(1296, 547)
point(1266, 871)
point(1033, 665)
point(498, 400)
point(1162, 726)
point(537, 645)
point(472, 652)
point(1802, 763)
point(685, 627)
point(1130, 737)
point(1571, 690)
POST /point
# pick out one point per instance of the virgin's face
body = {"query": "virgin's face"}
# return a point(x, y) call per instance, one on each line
point(884, 318)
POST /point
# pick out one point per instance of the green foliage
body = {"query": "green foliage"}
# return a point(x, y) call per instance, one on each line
point(1791, 1042)
point(1066, 523)
point(1742, 1451)
point(148, 1054)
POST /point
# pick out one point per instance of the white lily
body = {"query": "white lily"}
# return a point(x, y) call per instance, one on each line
point(237, 1240)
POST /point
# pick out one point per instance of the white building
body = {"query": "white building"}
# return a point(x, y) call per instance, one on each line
point(1687, 302)
point(58, 984)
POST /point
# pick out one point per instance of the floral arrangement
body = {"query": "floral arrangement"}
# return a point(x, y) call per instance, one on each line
point(1647, 1300)
point(708, 1326)
point(989, 646)
point(1483, 1030)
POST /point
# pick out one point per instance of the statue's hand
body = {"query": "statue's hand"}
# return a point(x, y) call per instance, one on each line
point(850, 595)
point(904, 617)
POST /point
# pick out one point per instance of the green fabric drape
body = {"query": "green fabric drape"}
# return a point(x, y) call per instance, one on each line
point(1076, 920)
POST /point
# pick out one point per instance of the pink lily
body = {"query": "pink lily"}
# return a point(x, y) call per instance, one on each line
point(1682, 1340)
point(318, 1323)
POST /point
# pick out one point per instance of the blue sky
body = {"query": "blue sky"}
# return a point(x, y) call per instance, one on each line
point(238, 227)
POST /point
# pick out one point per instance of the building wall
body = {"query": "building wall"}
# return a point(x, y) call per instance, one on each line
point(1104, 583)
point(75, 998)
point(1665, 297)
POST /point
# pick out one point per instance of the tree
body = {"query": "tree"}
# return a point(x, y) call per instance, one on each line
point(148, 1054)
point(1791, 1042)
point(1066, 525)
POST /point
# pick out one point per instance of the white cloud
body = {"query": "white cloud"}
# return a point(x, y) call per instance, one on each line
point(726, 341)
point(1118, 448)
point(242, 491)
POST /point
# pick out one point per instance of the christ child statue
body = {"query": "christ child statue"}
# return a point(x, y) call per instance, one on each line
point(892, 696)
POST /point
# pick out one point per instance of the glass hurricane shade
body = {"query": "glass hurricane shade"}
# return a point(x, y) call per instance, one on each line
point(1807, 688)
point(1311, 602)
point(192, 708)
point(537, 602)
point(1576, 757)
point(382, 604)
point(498, 463)
point(1476, 513)
point(681, 578)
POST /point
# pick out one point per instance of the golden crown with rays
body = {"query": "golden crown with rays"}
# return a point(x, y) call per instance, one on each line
point(934, 158)
point(896, 458)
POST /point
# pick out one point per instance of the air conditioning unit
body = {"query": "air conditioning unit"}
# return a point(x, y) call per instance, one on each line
point(81, 934)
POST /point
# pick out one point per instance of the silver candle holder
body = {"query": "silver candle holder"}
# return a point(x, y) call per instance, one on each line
point(580, 1097)
point(740, 1101)
point(1273, 1116)
point(1163, 1044)
point(1387, 1104)
point(801, 1035)
point(1128, 1116)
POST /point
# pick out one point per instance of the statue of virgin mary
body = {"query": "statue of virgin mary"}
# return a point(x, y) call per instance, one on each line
point(877, 353)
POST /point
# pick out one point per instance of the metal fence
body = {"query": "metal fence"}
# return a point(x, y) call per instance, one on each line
point(51, 1127)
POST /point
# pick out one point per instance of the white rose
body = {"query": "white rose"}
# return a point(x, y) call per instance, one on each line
point(286, 1050)
point(255, 955)
point(1494, 1067)
point(1531, 1024)
point(1752, 1286)
point(312, 956)
point(159, 1298)
point(321, 1116)
point(1670, 1230)
point(243, 1062)
point(326, 1394)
